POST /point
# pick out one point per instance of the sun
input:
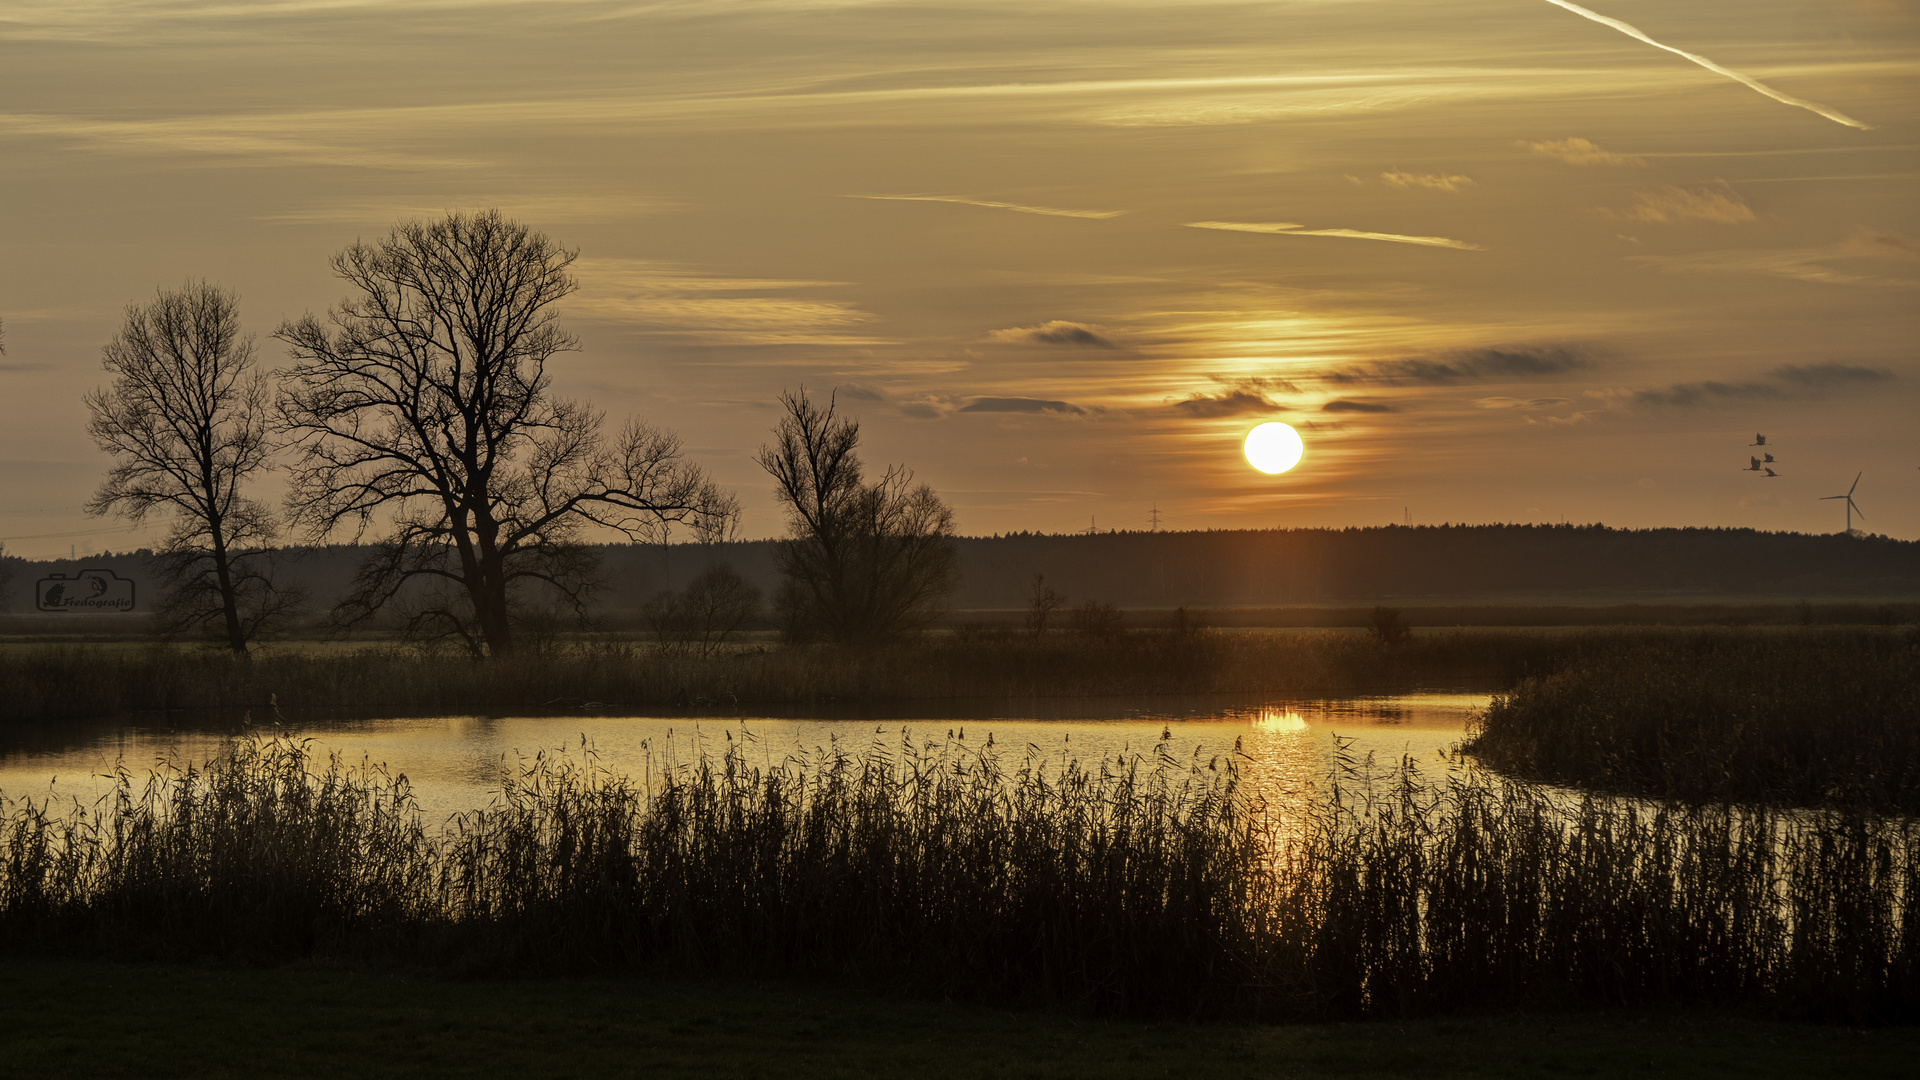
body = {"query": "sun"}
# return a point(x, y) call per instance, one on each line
point(1274, 448)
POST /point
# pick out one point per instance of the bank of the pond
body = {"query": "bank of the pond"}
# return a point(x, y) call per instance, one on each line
point(90, 1019)
point(40, 683)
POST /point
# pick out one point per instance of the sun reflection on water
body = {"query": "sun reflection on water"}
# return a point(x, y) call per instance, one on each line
point(1278, 720)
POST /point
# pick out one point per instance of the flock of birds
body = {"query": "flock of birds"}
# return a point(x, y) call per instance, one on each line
point(1759, 464)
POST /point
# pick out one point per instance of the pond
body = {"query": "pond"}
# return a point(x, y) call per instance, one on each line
point(456, 763)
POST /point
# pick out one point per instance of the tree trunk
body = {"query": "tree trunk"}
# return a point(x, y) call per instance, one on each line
point(229, 602)
point(487, 590)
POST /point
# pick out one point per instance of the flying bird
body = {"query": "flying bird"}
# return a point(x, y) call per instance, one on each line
point(1770, 472)
point(1758, 440)
point(1753, 465)
point(1768, 458)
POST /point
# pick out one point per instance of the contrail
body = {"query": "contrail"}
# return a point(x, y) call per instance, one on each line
point(1050, 211)
point(1755, 84)
point(1288, 228)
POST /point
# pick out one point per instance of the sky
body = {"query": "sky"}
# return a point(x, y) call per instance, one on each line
point(1497, 260)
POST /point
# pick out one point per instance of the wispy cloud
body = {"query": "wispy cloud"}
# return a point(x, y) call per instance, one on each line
point(1353, 405)
point(1519, 403)
point(1020, 405)
point(1827, 376)
point(1797, 264)
point(1436, 181)
point(991, 204)
point(1581, 152)
point(714, 309)
point(1673, 206)
point(1882, 245)
point(1477, 365)
point(1755, 84)
point(1230, 403)
point(1054, 332)
point(1706, 392)
point(1288, 228)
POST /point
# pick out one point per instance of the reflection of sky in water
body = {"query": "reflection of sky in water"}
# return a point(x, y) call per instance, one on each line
point(455, 763)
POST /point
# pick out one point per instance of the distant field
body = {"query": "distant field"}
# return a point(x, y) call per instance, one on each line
point(87, 1019)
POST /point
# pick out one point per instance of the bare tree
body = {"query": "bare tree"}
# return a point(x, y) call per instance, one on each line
point(1042, 601)
point(422, 407)
point(703, 618)
point(864, 563)
point(186, 422)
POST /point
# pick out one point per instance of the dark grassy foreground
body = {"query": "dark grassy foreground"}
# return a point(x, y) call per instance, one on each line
point(90, 1019)
point(66, 681)
point(1143, 888)
point(1775, 718)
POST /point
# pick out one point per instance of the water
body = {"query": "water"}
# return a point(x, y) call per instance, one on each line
point(456, 763)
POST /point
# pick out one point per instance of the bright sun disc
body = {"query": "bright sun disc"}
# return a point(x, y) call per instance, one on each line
point(1274, 448)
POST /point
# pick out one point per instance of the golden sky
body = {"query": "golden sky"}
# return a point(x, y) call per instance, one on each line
point(1499, 260)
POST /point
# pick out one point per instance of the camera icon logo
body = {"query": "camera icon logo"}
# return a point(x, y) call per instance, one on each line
point(89, 591)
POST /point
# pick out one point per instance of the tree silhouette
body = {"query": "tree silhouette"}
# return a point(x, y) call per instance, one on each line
point(422, 408)
point(186, 422)
point(864, 563)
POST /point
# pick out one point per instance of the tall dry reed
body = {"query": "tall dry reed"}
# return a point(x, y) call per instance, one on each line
point(1142, 886)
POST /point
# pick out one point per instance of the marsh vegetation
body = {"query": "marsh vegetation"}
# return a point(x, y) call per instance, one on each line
point(1138, 886)
point(1796, 719)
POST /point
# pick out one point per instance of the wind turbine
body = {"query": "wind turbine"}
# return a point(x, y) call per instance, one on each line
point(1851, 508)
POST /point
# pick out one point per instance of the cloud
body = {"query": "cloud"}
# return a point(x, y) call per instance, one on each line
point(1519, 403)
point(1435, 181)
point(1882, 245)
point(1696, 394)
point(1288, 228)
point(714, 309)
point(1800, 378)
point(1797, 264)
point(1674, 206)
point(1751, 83)
point(1349, 405)
point(1231, 403)
point(1018, 208)
point(1020, 405)
point(1581, 152)
point(1478, 365)
point(1826, 376)
point(1054, 332)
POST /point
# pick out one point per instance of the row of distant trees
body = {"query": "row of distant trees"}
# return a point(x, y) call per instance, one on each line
point(419, 414)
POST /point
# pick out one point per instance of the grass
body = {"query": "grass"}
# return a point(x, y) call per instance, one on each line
point(1711, 716)
point(70, 1018)
point(1128, 888)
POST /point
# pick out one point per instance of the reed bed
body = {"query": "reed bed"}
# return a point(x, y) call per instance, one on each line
point(1136, 887)
point(39, 683)
point(1774, 718)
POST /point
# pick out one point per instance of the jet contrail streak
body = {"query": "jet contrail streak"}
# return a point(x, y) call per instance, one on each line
point(1755, 84)
point(1018, 208)
point(1288, 228)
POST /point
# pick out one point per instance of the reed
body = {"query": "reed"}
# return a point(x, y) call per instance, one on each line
point(40, 683)
point(1831, 717)
point(1143, 886)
